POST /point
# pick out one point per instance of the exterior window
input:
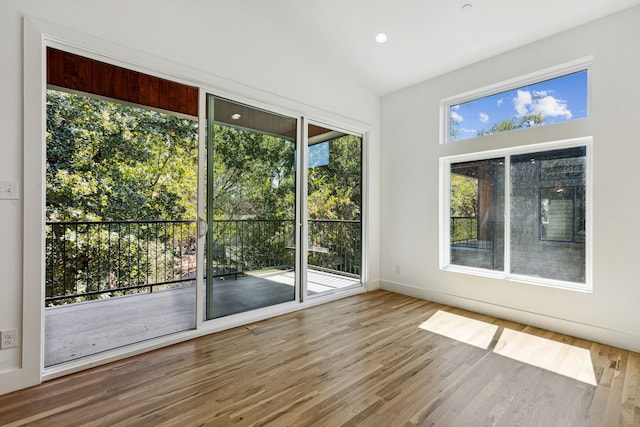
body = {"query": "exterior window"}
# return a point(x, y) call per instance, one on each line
point(536, 200)
point(529, 102)
point(550, 257)
point(477, 213)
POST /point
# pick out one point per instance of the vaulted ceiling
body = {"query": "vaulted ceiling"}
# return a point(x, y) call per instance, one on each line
point(426, 38)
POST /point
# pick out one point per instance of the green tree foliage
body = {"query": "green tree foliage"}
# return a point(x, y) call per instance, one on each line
point(464, 196)
point(252, 199)
point(454, 132)
point(254, 175)
point(107, 161)
point(335, 194)
point(516, 122)
point(464, 208)
point(110, 161)
point(254, 179)
point(335, 189)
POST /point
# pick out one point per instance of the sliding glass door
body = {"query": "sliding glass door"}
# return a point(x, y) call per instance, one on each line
point(251, 208)
point(263, 197)
point(147, 195)
point(334, 210)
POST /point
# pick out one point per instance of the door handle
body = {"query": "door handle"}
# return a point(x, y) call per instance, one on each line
point(203, 227)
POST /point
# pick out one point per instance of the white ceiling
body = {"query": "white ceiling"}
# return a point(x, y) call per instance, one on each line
point(427, 38)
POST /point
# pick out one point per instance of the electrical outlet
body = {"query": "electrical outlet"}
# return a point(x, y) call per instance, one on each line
point(9, 190)
point(8, 338)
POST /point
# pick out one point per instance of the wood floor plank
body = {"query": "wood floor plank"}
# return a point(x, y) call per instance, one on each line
point(630, 413)
point(359, 361)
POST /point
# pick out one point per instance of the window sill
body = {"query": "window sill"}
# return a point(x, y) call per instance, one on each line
point(519, 278)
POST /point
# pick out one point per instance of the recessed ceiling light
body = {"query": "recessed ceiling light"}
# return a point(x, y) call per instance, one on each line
point(381, 37)
point(236, 116)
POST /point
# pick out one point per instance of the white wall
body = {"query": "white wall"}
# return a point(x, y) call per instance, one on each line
point(410, 188)
point(223, 44)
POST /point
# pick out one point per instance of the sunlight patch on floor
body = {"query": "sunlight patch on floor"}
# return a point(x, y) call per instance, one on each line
point(564, 359)
point(461, 328)
point(317, 281)
point(561, 358)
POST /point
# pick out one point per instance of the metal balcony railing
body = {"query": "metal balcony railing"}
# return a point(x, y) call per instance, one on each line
point(93, 260)
point(464, 229)
point(335, 246)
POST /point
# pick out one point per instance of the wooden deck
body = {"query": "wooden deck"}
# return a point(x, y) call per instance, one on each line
point(374, 359)
point(74, 331)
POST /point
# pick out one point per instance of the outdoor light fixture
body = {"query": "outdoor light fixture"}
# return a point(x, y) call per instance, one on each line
point(236, 116)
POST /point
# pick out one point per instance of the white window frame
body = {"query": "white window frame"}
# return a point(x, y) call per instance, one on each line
point(445, 216)
point(515, 83)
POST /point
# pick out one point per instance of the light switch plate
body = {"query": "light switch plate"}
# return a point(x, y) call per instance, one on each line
point(9, 190)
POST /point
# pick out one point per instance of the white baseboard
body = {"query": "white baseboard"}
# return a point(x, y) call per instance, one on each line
point(595, 333)
point(11, 380)
point(373, 285)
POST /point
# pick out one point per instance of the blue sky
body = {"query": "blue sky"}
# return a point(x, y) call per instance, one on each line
point(557, 100)
point(318, 154)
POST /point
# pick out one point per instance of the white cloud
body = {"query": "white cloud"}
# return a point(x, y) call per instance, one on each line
point(466, 130)
point(540, 103)
point(522, 102)
point(455, 107)
point(551, 107)
point(484, 118)
point(457, 117)
point(500, 101)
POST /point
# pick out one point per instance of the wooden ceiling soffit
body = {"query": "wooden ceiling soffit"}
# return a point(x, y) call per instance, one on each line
point(254, 119)
point(78, 73)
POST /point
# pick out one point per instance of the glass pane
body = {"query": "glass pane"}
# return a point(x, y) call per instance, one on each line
point(334, 210)
point(477, 214)
point(548, 214)
point(551, 101)
point(120, 225)
point(250, 208)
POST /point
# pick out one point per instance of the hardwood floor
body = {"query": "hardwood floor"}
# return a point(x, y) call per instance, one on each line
point(73, 331)
point(377, 359)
